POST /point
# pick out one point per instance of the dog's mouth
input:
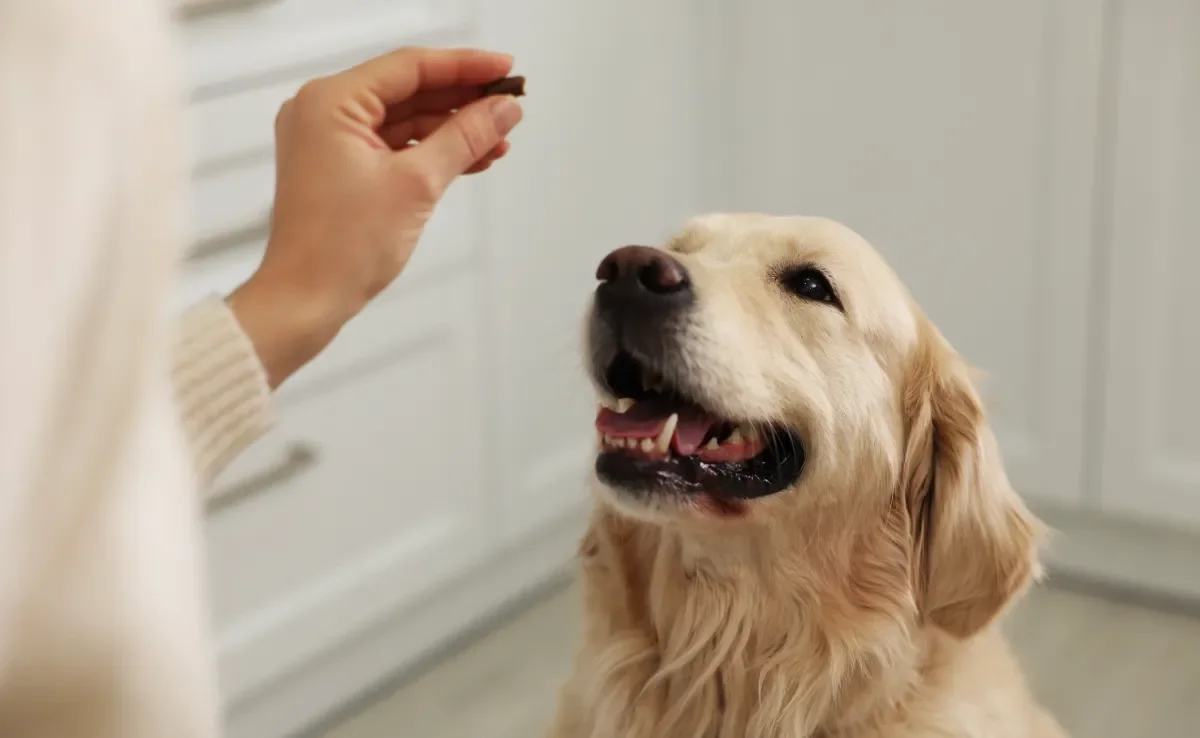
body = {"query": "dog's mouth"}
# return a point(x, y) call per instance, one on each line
point(656, 438)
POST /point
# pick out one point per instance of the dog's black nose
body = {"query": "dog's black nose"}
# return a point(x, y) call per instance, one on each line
point(643, 271)
point(640, 305)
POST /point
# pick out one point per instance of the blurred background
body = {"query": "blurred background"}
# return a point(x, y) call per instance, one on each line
point(394, 558)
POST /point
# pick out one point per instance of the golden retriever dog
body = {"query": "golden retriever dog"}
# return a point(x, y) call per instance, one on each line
point(803, 527)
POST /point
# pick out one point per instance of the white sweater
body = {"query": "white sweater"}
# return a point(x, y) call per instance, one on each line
point(104, 627)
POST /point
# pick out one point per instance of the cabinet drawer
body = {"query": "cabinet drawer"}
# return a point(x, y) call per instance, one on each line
point(217, 273)
point(239, 124)
point(366, 496)
point(236, 205)
point(238, 40)
point(233, 201)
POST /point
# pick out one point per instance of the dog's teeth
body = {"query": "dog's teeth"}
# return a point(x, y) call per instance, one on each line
point(624, 404)
point(735, 437)
point(751, 435)
point(712, 444)
point(647, 445)
point(664, 438)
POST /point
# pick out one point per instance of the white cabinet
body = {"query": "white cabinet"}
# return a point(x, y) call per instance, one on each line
point(1150, 454)
point(370, 494)
point(1026, 166)
point(430, 466)
point(960, 139)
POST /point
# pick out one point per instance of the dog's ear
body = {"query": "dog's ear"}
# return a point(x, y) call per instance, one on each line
point(975, 543)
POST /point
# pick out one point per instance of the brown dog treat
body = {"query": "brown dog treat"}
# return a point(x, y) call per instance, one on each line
point(514, 86)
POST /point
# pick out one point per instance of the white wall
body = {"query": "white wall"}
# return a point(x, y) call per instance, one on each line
point(606, 156)
point(959, 138)
point(1025, 167)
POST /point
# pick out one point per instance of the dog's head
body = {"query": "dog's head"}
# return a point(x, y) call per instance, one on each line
point(759, 373)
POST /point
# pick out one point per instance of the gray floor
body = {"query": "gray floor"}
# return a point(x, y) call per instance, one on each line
point(1106, 669)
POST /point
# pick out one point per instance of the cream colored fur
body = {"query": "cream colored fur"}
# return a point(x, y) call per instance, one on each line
point(862, 602)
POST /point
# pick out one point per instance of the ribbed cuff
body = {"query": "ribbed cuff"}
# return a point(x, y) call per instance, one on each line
point(220, 386)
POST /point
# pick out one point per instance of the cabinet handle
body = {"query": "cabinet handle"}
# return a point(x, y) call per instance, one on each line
point(299, 459)
point(197, 8)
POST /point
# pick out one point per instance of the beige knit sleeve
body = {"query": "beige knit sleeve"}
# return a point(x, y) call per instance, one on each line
point(220, 386)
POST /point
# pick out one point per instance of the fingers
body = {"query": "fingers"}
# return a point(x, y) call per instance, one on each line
point(397, 76)
point(493, 156)
point(465, 139)
point(406, 134)
point(434, 101)
point(416, 128)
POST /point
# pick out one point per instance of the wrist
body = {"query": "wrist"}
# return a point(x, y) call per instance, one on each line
point(287, 329)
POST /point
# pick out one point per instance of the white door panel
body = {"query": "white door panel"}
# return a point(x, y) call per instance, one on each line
point(1151, 442)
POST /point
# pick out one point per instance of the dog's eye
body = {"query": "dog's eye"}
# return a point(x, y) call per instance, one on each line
point(810, 284)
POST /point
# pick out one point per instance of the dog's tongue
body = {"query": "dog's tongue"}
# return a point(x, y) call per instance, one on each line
point(646, 419)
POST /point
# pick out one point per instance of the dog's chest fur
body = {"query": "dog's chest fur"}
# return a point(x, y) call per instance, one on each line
point(677, 646)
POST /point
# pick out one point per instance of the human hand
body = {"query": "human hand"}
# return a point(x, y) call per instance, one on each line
point(363, 157)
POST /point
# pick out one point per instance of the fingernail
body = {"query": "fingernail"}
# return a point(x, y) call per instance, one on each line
point(506, 112)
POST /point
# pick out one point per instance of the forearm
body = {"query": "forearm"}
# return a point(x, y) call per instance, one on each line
point(287, 324)
point(229, 356)
point(221, 388)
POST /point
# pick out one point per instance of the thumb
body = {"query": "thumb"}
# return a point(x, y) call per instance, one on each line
point(467, 137)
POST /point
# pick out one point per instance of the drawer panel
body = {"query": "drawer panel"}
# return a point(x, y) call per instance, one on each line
point(233, 201)
point(236, 204)
point(217, 273)
point(240, 123)
point(229, 41)
point(367, 494)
